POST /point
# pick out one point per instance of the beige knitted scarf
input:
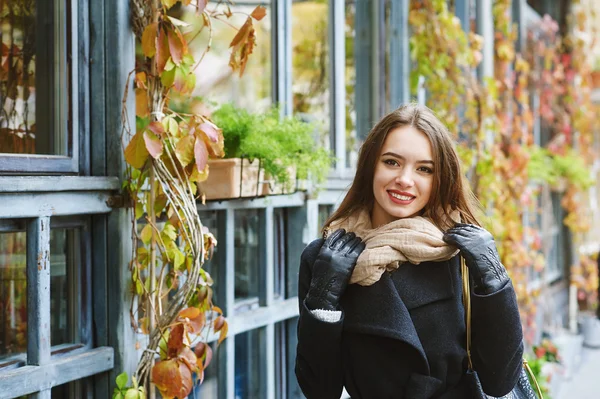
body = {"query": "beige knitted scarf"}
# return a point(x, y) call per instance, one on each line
point(413, 240)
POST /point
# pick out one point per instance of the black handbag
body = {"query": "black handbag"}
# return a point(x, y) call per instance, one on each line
point(523, 389)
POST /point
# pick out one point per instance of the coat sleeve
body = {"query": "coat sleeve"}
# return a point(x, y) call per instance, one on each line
point(497, 340)
point(318, 354)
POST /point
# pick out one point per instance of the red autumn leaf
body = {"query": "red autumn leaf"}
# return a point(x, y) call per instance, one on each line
point(175, 343)
point(201, 154)
point(204, 353)
point(149, 40)
point(188, 357)
point(195, 324)
point(185, 150)
point(136, 153)
point(259, 13)
point(162, 51)
point(173, 378)
point(219, 323)
point(153, 144)
point(242, 34)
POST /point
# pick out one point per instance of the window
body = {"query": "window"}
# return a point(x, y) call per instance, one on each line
point(310, 66)
point(246, 254)
point(218, 82)
point(352, 143)
point(36, 90)
point(249, 361)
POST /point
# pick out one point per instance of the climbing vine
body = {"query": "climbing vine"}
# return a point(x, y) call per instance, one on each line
point(493, 122)
point(167, 157)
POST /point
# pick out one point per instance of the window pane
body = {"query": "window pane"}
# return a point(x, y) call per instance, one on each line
point(34, 62)
point(13, 291)
point(248, 361)
point(351, 136)
point(216, 81)
point(291, 340)
point(279, 240)
point(246, 254)
point(310, 65)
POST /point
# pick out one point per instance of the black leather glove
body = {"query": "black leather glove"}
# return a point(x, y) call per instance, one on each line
point(332, 270)
point(478, 248)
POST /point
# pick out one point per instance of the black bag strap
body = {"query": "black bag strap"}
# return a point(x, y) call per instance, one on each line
point(464, 271)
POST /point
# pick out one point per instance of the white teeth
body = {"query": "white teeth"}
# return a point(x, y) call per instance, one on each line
point(401, 197)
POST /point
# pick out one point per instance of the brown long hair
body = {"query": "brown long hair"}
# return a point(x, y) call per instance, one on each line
point(450, 192)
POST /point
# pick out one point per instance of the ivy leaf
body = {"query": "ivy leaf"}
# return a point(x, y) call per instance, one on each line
point(178, 22)
point(146, 234)
point(140, 80)
point(201, 154)
point(122, 380)
point(242, 46)
point(259, 13)
point(223, 333)
point(175, 343)
point(153, 144)
point(173, 378)
point(136, 153)
point(167, 78)
point(170, 125)
point(180, 79)
point(141, 103)
point(157, 128)
point(149, 40)
point(176, 47)
point(185, 150)
point(132, 394)
point(213, 138)
point(162, 51)
point(168, 3)
point(169, 231)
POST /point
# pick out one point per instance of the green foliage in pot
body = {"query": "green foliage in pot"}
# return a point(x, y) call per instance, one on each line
point(279, 143)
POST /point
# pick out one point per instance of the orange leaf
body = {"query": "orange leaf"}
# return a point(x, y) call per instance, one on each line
point(217, 309)
point(242, 34)
point(188, 357)
point(190, 313)
point(195, 324)
point(201, 154)
point(243, 45)
point(162, 51)
point(204, 353)
point(175, 344)
point(149, 40)
point(218, 323)
point(136, 153)
point(223, 334)
point(173, 378)
point(141, 103)
point(259, 13)
point(140, 80)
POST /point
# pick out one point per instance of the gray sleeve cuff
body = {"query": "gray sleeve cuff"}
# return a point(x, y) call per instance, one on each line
point(328, 316)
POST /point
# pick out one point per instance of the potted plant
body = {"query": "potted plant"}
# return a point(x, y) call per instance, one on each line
point(265, 154)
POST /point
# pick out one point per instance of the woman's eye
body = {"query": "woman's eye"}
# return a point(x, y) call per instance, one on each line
point(425, 169)
point(390, 162)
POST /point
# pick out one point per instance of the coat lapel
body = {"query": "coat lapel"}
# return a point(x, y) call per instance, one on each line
point(378, 310)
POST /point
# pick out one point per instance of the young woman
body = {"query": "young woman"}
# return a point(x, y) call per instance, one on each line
point(380, 296)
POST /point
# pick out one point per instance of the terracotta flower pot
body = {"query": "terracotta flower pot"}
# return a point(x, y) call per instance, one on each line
point(234, 178)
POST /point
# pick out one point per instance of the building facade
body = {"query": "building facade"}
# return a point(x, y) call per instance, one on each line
point(65, 235)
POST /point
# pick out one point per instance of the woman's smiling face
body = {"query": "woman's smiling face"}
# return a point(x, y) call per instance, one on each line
point(403, 178)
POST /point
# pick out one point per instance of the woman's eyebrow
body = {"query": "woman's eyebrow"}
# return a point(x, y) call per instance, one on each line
point(393, 154)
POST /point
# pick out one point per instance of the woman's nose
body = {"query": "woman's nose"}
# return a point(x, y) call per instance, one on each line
point(405, 179)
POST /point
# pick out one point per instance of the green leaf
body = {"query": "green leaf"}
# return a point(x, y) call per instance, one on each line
point(170, 125)
point(146, 234)
point(117, 395)
point(169, 231)
point(136, 153)
point(179, 260)
point(139, 210)
point(132, 394)
point(168, 77)
point(168, 3)
point(122, 380)
point(178, 22)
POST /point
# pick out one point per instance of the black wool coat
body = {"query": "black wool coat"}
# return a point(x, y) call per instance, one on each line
point(404, 337)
